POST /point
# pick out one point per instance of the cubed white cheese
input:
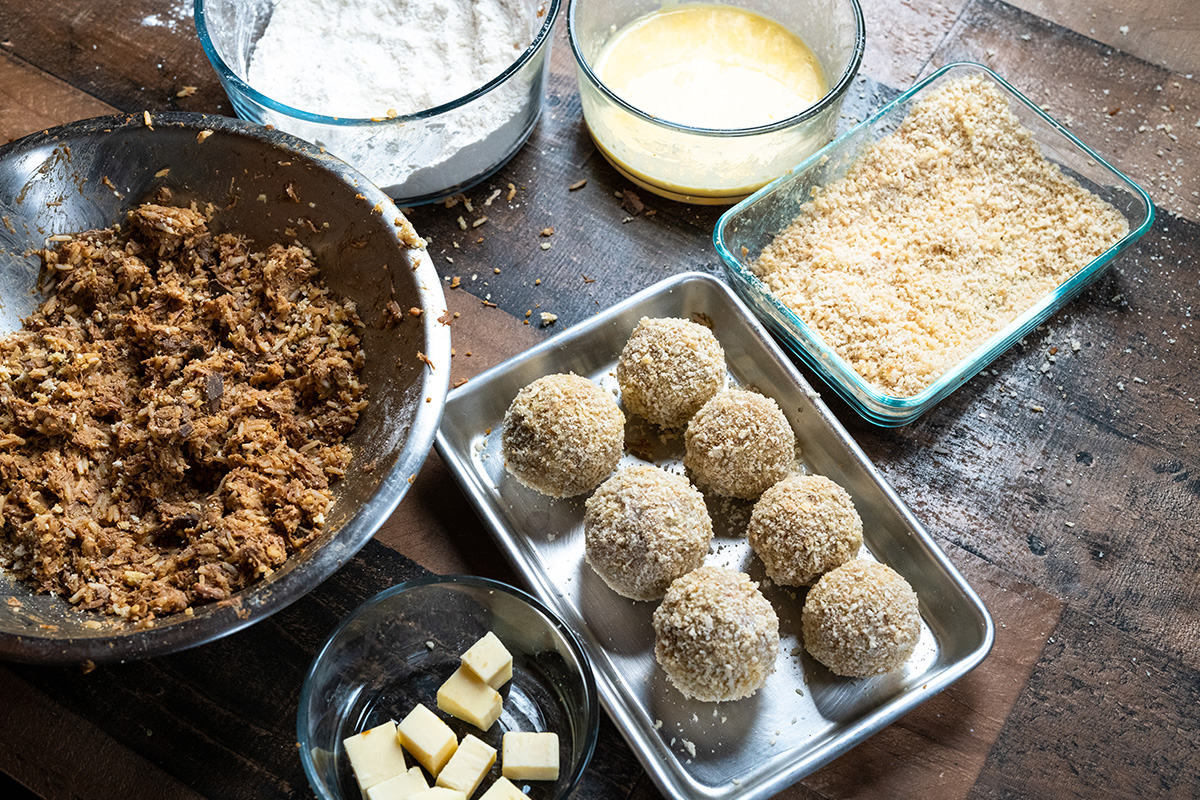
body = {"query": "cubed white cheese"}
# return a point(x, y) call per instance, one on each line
point(470, 762)
point(375, 755)
point(470, 699)
point(490, 660)
point(530, 756)
point(401, 787)
point(430, 740)
point(503, 789)
point(439, 793)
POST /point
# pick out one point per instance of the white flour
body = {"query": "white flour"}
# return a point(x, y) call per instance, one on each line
point(380, 58)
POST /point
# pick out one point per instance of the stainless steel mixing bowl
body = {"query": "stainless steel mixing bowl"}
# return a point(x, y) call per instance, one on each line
point(272, 187)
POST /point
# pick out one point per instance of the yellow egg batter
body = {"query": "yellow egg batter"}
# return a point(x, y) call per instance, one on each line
point(711, 66)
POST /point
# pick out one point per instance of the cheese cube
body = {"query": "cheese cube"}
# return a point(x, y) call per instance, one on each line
point(530, 756)
point(375, 755)
point(438, 793)
point(503, 789)
point(490, 660)
point(470, 762)
point(430, 740)
point(470, 699)
point(401, 787)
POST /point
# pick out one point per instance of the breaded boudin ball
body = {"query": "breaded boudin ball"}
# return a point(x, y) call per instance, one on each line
point(861, 619)
point(715, 635)
point(668, 369)
point(740, 444)
point(643, 528)
point(804, 526)
point(563, 435)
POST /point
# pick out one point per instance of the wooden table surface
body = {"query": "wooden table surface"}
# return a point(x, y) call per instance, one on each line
point(1065, 495)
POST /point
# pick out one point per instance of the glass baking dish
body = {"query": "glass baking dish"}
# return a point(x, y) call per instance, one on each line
point(748, 227)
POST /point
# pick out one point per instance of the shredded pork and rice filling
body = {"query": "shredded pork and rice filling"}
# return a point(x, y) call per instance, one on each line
point(172, 415)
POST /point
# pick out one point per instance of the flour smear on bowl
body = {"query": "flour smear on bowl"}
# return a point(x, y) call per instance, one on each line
point(376, 60)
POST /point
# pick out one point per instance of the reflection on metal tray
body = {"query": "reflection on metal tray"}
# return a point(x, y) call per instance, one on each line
point(805, 716)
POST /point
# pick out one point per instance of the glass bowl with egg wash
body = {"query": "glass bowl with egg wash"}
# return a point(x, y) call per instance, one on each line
point(707, 102)
point(424, 99)
point(955, 288)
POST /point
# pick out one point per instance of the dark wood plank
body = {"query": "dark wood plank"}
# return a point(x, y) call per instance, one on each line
point(1162, 32)
point(132, 55)
point(33, 100)
point(1104, 715)
point(59, 753)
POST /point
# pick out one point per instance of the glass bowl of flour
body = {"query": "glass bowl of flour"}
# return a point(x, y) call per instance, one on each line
point(424, 97)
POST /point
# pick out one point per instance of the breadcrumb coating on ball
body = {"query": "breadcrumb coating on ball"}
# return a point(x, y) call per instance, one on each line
point(715, 635)
point(668, 369)
point(804, 526)
point(563, 435)
point(740, 444)
point(643, 528)
point(861, 619)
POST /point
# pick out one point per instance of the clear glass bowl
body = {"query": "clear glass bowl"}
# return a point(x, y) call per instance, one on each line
point(713, 166)
point(415, 158)
point(747, 228)
point(396, 649)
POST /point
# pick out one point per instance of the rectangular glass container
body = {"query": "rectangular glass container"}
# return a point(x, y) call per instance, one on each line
point(746, 229)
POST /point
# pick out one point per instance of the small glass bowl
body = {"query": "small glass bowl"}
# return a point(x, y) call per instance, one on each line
point(744, 230)
point(396, 649)
point(415, 158)
point(714, 166)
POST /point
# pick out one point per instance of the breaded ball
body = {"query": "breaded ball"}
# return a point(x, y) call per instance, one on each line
point(804, 526)
point(715, 635)
point(643, 528)
point(861, 619)
point(740, 444)
point(668, 369)
point(563, 435)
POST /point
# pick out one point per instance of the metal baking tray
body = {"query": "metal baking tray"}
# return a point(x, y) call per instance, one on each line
point(805, 716)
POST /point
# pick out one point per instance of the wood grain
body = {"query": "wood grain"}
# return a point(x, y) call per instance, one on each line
point(33, 100)
point(1108, 696)
point(1162, 32)
point(57, 752)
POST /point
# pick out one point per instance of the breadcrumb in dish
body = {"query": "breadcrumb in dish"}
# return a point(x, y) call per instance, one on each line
point(643, 528)
point(563, 435)
point(861, 619)
point(804, 526)
point(172, 415)
point(935, 239)
point(739, 444)
point(668, 369)
point(715, 635)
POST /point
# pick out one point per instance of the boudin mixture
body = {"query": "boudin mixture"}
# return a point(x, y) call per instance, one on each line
point(172, 415)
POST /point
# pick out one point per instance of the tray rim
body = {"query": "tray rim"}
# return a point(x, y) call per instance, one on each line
point(542, 588)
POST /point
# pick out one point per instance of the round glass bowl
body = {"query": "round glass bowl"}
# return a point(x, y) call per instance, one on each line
point(396, 649)
point(714, 166)
point(415, 158)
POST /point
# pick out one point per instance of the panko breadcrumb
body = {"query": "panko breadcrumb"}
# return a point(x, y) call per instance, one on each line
point(937, 237)
point(172, 415)
point(739, 444)
point(643, 528)
point(804, 526)
point(563, 435)
point(715, 635)
point(668, 369)
point(861, 619)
